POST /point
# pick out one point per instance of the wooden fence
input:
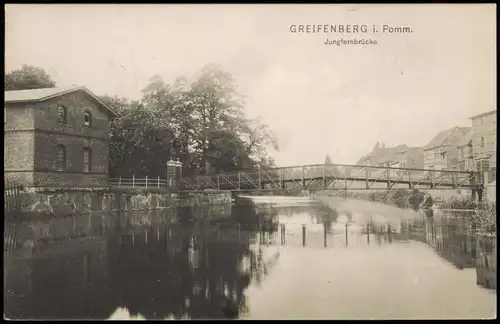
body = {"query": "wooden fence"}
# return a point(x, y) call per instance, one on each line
point(12, 200)
point(486, 261)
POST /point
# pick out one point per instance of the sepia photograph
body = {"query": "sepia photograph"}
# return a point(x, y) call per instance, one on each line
point(250, 161)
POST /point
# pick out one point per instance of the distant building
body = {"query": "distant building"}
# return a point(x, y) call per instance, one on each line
point(484, 141)
point(56, 137)
point(435, 156)
point(410, 158)
point(382, 156)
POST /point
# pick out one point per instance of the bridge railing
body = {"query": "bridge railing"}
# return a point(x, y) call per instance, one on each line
point(334, 176)
point(146, 182)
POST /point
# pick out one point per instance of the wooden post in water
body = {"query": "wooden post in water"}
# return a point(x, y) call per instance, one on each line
point(146, 236)
point(303, 235)
point(346, 236)
point(283, 234)
point(158, 235)
point(325, 236)
point(368, 233)
point(389, 232)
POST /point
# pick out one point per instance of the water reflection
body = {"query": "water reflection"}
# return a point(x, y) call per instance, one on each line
point(189, 263)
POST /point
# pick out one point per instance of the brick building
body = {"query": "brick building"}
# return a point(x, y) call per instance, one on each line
point(56, 137)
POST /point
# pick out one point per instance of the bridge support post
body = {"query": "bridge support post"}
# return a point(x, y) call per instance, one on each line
point(388, 178)
point(453, 181)
point(283, 241)
point(410, 184)
point(366, 178)
point(303, 178)
point(218, 182)
point(239, 180)
point(324, 178)
point(303, 235)
point(282, 180)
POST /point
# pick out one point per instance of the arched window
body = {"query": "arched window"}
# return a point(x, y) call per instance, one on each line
point(61, 158)
point(61, 114)
point(87, 121)
point(87, 159)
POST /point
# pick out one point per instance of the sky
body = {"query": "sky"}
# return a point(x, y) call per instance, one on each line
point(318, 99)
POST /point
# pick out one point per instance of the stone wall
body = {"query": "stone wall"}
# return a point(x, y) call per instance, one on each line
point(68, 201)
point(63, 202)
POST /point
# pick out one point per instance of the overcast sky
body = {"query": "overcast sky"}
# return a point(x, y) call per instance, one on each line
point(317, 98)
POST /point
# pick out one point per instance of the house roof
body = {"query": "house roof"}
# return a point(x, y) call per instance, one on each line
point(37, 95)
point(484, 114)
point(442, 136)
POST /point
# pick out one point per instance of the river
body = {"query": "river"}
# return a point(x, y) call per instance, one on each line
point(262, 258)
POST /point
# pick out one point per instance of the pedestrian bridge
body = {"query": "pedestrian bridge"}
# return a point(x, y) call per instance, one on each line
point(314, 177)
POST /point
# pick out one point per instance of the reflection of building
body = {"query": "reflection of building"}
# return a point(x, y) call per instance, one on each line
point(484, 129)
point(66, 281)
point(56, 136)
point(441, 152)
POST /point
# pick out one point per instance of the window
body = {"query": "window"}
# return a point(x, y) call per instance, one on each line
point(87, 121)
point(61, 114)
point(482, 142)
point(87, 160)
point(61, 158)
point(461, 153)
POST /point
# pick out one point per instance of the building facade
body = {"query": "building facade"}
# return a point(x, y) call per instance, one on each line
point(56, 137)
point(484, 142)
point(440, 153)
point(465, 157)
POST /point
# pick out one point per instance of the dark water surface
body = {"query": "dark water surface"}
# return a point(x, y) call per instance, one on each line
point(250, 260)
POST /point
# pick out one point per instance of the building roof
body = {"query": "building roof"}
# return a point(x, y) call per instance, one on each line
point(442, 136)
point(484, 114)
point(37, 95)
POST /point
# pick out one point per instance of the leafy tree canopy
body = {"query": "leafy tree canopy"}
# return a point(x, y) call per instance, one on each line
point(28, 77)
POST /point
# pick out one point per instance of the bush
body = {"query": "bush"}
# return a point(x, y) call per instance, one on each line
point(460, 203)
point(484, 219)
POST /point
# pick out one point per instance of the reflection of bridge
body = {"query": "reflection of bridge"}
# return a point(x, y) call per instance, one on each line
point(330, 176)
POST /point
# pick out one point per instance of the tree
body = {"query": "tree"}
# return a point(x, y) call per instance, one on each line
point(202, 123)
point(28, 77)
